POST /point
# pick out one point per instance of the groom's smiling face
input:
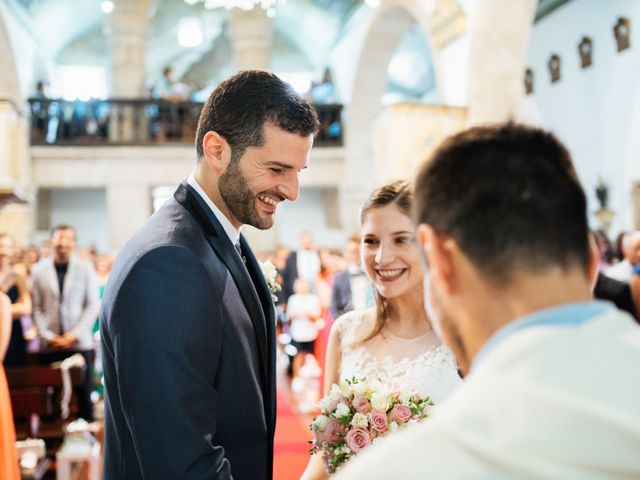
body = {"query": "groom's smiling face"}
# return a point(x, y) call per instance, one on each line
point(253, 185)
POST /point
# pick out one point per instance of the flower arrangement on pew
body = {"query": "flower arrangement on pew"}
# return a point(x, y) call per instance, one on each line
point(358, 413)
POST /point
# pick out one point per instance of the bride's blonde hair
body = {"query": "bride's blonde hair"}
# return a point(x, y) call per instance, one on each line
point(400, 194)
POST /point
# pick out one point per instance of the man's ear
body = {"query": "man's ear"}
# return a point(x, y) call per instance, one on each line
point(437, 251)
point(217, 151)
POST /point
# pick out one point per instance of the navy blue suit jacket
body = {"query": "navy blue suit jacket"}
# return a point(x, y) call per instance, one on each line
point(188, 352)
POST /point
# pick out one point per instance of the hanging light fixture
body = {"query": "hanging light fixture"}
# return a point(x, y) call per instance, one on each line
point(267, 5)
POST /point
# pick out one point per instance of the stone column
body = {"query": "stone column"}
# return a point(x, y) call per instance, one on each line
point(128, 207)
point(498, 57)
point(15, 215)
point(251, 35)
point(127, 28)
point(251, 39)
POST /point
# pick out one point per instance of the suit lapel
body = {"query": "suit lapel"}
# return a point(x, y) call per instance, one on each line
point(222, 246)
point(69, 277)
point(269, 309)
point(259, 282)
point(52, 278)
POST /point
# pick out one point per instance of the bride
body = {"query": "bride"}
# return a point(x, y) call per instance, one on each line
point(394, 340)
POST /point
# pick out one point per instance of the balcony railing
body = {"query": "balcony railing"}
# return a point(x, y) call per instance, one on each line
point(138, 122)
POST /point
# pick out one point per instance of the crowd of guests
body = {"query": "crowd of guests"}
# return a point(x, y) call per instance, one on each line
point(619, 272)
point(318, 285)
point(54, 291)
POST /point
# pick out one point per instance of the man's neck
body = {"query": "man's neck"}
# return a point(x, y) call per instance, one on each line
point(61, 260)
point(210, 186)
point(492, 308)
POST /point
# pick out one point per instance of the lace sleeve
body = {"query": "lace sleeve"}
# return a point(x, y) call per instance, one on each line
point(347, 326)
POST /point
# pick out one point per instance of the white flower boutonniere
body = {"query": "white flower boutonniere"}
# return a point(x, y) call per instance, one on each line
point(270, 275)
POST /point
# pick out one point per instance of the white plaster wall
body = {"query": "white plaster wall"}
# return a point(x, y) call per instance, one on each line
point(25, 52)
point(128, 175)
point(83, 209)
point(344, 55)
point(307, 214)
point(595, 111)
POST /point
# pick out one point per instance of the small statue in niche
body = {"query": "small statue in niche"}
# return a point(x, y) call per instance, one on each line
point(585, 49)
point(602, 194)
point(528, 81)
point(622, 32)
point(554, 67)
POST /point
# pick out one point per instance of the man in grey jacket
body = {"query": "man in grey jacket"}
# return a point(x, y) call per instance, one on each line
point(65, 307)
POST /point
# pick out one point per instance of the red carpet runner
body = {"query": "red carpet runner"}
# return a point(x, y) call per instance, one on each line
point(291, 442)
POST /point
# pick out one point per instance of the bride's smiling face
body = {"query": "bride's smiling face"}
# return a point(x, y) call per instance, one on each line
point(390, 254)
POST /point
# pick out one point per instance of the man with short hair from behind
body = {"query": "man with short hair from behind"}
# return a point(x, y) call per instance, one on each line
point(550, 388)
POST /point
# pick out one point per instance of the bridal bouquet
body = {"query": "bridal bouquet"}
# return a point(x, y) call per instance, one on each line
point(358, 413)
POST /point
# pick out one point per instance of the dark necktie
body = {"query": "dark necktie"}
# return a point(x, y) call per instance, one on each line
point(239, 250)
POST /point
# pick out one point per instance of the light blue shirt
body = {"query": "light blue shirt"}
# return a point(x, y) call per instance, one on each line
point(571, 314)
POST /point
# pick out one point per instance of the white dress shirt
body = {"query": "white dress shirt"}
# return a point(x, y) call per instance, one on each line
point(552, 401)
point(232, 232)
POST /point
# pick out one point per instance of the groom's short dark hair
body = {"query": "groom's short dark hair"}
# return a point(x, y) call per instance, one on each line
point(509, 195)
point(240, 106)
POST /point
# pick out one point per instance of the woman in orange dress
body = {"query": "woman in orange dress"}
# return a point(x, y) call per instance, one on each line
point(9, 468)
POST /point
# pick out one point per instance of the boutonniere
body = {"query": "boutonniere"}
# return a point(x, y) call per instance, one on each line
point(270, 276)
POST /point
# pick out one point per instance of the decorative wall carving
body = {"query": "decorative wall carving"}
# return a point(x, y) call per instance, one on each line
point(528, 81)
point(585, 49)
point(554, 67)
point(622, 32)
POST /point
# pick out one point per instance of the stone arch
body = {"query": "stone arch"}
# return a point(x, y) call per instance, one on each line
point(391, 21)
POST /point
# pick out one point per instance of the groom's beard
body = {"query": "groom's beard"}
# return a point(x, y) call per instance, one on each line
point(240, 199)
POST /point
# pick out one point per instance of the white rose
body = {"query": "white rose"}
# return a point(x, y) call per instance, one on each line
point(341, 411)
point(393, 426)
point(335, 391)
point(380, 401)
point(321, 422)
point(359, 388)
point(345, 389)
point(405, 395)
point(360, 420)
point(324, 403)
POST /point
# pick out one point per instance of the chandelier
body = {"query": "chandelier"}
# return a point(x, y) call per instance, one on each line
point(266, 5)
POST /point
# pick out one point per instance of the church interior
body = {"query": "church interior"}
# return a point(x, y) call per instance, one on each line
point(100, 100)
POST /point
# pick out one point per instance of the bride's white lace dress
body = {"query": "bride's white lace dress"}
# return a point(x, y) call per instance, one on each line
point(420, 364)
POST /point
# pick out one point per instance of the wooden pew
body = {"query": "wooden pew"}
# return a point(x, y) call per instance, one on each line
point(34, 392)
point(35, 398)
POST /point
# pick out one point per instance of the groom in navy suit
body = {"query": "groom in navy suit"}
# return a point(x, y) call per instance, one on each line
point(187, 322)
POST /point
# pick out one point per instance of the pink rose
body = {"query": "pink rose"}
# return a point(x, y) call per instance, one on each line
point(378, 421)
point(330, 434)
point(400, 414)
point(357, 439)
point(362, 405)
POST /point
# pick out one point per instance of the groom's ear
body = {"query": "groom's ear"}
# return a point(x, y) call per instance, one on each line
point(439, 252)
point(216, 151)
